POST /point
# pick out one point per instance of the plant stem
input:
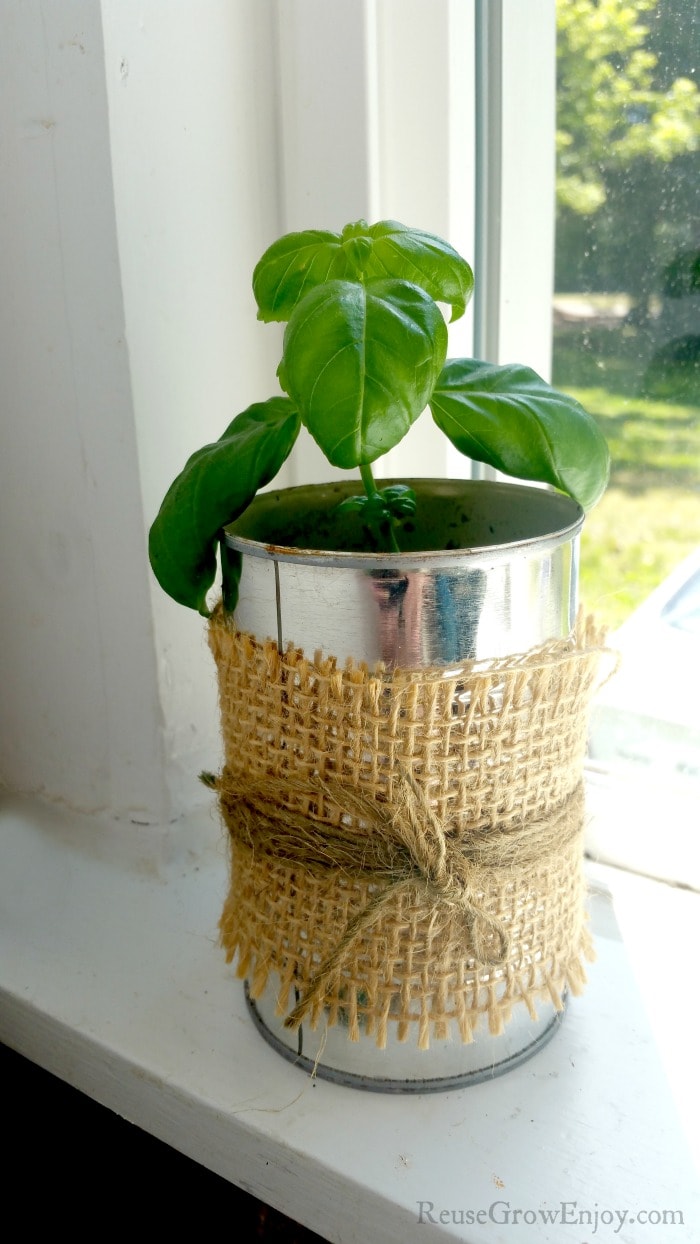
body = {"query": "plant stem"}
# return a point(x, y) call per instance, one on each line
point(368, 480)
point(383, 529)
point(392, 539)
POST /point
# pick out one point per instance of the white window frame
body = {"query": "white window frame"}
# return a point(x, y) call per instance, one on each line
point(416, 147)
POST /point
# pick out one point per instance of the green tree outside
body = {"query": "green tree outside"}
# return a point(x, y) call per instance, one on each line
point(610, 111)
point(628, 134)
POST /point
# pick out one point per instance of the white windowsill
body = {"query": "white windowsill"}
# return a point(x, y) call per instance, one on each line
point(110, 977)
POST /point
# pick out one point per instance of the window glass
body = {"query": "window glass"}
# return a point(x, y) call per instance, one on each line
point(627, 344)
point(683, 609)
point(627, 302)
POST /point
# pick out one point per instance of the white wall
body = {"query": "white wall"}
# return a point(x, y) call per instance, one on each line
point(128, 338)
point(193, 124)
point(80, 711)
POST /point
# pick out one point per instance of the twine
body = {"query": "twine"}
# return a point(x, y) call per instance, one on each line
point(409, 848)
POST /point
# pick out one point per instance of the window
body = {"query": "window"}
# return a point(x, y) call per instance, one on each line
point(627, 344)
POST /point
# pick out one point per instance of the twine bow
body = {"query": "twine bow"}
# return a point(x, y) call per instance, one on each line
point(402, 845)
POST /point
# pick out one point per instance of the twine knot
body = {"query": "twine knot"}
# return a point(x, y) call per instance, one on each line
point(448, 876)
point(410, 850)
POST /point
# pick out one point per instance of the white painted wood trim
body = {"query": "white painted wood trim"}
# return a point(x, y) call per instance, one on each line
point(379, 125)
point(528, 183)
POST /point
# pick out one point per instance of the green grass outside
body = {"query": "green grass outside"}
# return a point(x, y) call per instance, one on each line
point(649, 519)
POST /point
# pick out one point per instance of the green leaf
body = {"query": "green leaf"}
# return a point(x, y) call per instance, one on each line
point(292, 266)
point(299, 262)
point(426, 260)
point(360, 363)
point(399, 499)
point(216, 485)
point(510, 418)
point(231, 570)
point(396, 501)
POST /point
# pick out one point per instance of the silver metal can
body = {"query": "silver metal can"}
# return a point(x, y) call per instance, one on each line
point(499, 577)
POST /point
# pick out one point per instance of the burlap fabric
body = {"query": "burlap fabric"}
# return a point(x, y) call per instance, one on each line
point(406, 845)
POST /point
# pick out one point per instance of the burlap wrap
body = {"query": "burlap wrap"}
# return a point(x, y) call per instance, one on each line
point(406, 845)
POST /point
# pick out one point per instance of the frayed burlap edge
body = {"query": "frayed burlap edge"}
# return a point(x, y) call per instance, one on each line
point(479, 907)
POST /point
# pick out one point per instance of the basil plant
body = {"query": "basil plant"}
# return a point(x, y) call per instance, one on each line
point(364, 356)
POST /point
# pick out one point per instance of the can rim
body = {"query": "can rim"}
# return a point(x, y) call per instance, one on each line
point(570, 517)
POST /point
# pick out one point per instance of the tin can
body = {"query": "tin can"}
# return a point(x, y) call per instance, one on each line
point(499, 577)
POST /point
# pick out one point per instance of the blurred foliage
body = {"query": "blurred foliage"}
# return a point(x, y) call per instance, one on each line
point(681, 277)
point(628, 133)
point(649, 519)
point(610, 110)
point(630, 543)
point(628, 137)
point(624, 360)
